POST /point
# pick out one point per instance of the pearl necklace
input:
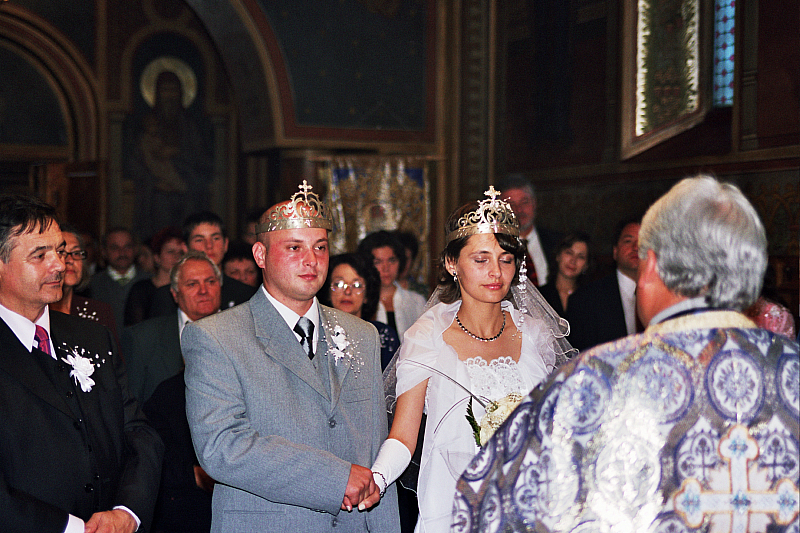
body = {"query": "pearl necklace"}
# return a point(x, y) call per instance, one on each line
point(482, 339)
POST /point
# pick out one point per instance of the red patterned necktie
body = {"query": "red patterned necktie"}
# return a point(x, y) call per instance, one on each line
point(43, 339)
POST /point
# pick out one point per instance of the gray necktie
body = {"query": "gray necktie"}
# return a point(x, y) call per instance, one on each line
point(305, 328)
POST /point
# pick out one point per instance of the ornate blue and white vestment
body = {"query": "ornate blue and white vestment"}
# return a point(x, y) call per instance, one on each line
point(689, 426)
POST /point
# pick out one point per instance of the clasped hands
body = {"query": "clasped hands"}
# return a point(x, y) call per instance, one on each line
point(361, 490)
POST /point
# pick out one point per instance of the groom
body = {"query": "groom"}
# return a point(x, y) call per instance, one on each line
point(284, 396)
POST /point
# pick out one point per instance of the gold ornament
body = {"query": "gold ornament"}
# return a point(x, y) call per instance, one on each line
point(303, 210)
point(491, 216)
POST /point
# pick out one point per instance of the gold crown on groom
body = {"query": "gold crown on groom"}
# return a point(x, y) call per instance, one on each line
point(303, 210)
point(491, 216)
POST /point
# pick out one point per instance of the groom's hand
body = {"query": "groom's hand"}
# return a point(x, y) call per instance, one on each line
point(360, 486)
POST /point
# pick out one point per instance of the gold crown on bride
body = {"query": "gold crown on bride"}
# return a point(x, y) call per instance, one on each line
point(303, 210)
point(493, 215)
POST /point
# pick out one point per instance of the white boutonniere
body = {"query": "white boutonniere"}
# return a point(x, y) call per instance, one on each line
point(340, 343)
point(342, 348)
point(82, 366)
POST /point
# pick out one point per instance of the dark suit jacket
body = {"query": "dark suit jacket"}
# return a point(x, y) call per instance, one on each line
point(137, 305)
point(105, 289)
point(550, 240)
point(65, 451)
point(182, 505)
point(152, 353)
point(595, 313)
point(233, 292)
point(550, 293)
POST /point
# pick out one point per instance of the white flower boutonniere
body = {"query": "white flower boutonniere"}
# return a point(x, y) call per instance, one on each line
point(82, 366)
point(341, 348)
point(340, 343)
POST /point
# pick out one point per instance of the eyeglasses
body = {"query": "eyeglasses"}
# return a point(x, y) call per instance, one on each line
point(340, 286)
point(77, 255)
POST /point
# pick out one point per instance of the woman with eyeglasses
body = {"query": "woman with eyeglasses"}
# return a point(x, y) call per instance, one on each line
point(76, 279)
point(353, 286)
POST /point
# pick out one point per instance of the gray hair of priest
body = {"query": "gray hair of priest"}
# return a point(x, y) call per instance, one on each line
point(708, 240)
point(191, 254)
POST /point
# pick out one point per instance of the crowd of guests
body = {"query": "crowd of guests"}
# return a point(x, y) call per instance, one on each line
point(513, 303)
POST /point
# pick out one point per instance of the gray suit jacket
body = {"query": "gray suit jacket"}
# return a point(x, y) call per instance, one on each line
point(279, 440)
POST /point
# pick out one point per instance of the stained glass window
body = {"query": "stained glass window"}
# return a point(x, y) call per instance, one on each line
point(723, 51)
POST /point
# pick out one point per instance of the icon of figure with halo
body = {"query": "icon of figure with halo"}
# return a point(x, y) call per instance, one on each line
point(170, 160)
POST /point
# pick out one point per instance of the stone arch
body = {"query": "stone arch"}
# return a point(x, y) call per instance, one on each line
point(67, 72)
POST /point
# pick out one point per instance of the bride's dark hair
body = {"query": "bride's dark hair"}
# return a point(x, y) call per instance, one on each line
point(449, 289)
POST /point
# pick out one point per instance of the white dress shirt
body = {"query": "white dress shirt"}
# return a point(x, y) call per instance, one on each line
point(25, 330)
point(291, 317)
point(536, 252)
point(627, 293)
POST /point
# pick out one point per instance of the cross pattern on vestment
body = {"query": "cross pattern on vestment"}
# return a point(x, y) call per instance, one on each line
point(737, 448)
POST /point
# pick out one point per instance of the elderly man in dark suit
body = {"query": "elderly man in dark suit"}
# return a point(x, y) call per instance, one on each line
point(540, 242)
point(153, 348)
point(284, 396)
point(155, 372)
point(74, 445)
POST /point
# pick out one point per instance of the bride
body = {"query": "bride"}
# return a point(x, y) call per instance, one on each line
point(486, 335)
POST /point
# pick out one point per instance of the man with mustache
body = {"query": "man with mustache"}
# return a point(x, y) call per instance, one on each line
point(113, 284)
point(76, 453)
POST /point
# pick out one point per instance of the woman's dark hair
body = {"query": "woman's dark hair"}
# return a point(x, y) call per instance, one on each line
point(382, 238)
point(163, 236)
point(409, 242)
point(450, 290)
point(565, 243)
point(363, 266)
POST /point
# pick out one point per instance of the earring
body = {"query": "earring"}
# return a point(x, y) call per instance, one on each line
point(455, 277)
point(523, 289)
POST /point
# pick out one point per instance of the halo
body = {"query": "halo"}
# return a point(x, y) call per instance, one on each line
point(147, 83)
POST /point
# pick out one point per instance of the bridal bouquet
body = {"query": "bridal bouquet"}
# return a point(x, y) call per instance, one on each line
point(496, 413)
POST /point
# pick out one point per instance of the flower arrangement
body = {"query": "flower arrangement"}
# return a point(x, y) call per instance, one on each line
point(82, 368)
point(496, 413)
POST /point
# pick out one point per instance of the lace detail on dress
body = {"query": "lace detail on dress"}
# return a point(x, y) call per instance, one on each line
point(494, 379)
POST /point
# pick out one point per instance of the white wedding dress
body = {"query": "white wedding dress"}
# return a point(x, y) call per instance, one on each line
point(449, 443)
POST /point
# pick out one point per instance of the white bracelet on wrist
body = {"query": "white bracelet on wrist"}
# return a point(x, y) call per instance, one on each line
point(383, 479)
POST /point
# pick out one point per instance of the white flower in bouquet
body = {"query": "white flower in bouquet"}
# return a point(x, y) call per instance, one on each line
point(496, 413)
